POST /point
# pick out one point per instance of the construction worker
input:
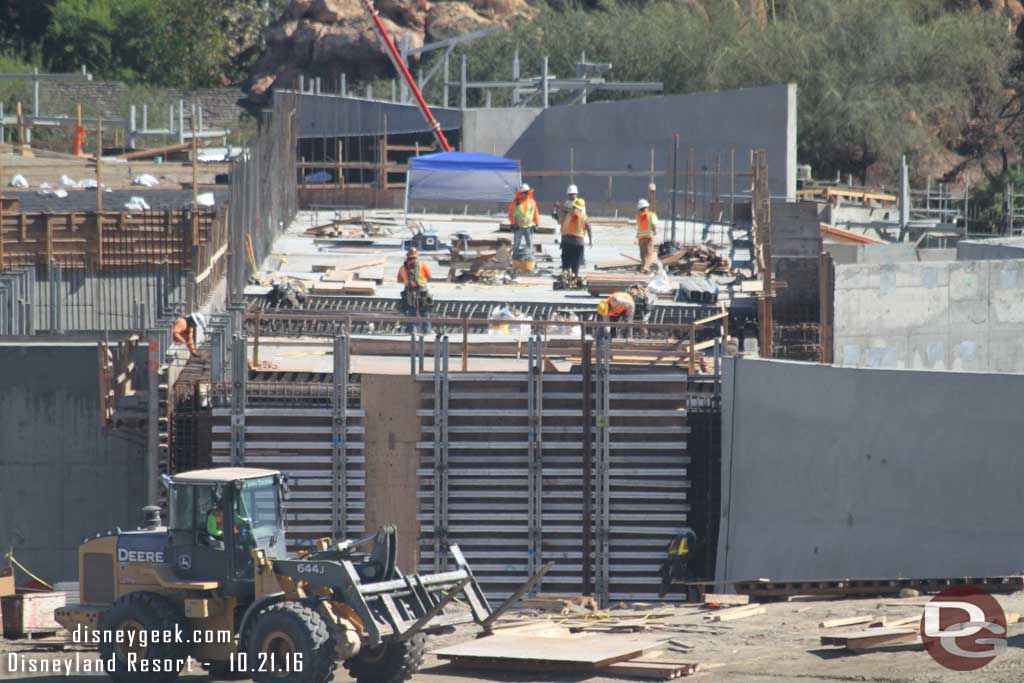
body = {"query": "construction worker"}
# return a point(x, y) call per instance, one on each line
point(574, 226)
point(565, 208)
point(215, 521)
point(285, 295)
point(676, 566)
point(524, 217)
point(415, 275)
point(642, 302)
point(646, 230)
point(618, 308)
point(184, 330)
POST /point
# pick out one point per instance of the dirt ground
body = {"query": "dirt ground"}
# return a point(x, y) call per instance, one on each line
point(780, 646)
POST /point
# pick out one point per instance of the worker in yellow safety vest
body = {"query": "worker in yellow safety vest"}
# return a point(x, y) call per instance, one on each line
point(646, 230)
point(676, 565)
point(574, 226)
point(524, 217)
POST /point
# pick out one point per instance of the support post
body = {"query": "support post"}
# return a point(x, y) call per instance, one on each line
point(99, 175)
point(444, 97)
point(544, 82)
point(462, 84)
point(153, 424)
point(675, 182)
point(588, 467)
point(239, 379)
point(339, 437)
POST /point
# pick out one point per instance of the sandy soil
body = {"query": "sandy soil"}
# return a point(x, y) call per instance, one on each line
point(780, 646)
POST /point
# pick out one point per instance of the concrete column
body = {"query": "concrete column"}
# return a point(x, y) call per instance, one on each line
point(462, 84)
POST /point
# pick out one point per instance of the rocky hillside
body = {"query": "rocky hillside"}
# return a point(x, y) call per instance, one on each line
point(327, 37)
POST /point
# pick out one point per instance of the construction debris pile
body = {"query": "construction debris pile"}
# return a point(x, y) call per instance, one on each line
point(698, 258)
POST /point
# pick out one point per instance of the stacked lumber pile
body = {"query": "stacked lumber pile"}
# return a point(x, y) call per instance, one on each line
point(354, 277)
point(699, 258)
point(881, 633)
point(353, 227)
point(603, 284)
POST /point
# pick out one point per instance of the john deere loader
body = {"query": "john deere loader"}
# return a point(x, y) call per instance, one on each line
point(216, 585)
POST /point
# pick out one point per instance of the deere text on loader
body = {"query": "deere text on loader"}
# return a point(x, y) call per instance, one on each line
point(216, 584)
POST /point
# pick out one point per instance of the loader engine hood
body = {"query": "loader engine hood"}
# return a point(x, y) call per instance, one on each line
point(143, 547)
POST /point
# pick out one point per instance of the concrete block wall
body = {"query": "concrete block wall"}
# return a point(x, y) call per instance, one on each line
point(940, 316)
point(999, 248)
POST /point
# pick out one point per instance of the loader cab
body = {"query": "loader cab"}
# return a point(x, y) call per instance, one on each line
point(217, 517)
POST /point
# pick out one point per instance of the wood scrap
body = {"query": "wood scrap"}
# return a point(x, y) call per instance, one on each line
point(847, 621)
point(698, 258)
point(872, 638)
point(719, 599)
point(663, 671)
point(735, 613)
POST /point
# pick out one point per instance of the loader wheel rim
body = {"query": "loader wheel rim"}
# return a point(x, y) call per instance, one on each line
point(279, 649)
point(373, 654)
point(130, 643)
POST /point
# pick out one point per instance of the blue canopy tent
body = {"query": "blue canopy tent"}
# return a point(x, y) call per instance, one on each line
point(462, 176)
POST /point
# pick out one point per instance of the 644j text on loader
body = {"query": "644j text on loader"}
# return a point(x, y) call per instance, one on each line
point(217, 585)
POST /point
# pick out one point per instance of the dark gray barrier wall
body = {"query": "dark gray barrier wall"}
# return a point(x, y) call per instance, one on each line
point(848, 473)
point(62, 477)
point(618, 136)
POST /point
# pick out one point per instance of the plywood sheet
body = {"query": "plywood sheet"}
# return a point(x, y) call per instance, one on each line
point(392, 429)
point(539, 652)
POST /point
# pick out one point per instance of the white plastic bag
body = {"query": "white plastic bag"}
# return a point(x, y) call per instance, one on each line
point(18, 181)
point(146, 180)
point(87, 184)
point(661, 282)
point(66, 181)
point(136, 204)
point(205, 199)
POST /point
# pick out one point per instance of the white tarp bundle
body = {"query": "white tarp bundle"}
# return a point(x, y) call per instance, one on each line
point(463, 176)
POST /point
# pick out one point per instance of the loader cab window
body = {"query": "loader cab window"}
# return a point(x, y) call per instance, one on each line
point(181, 505)
point(260, 505)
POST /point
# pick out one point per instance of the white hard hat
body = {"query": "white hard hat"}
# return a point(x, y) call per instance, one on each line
point(643, 204)
point(524, 188)
point(572, 189)
point(199, 319)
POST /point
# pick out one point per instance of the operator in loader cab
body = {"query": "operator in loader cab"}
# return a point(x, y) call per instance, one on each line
point(215, 520)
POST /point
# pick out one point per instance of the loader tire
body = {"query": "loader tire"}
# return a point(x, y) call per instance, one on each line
point(290, 642)
point(390, 662)
point(151, 613)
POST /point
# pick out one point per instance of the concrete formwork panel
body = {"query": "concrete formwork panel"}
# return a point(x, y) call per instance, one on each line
point(62, 475)
point(846, 473)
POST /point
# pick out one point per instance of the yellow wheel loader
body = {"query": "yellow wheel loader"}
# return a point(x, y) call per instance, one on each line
point(216, 585)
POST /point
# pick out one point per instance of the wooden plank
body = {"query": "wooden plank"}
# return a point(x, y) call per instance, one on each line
point(847, 621)
point(644, 669)
point(737, 613)
point(725, 599)
point(873, 638)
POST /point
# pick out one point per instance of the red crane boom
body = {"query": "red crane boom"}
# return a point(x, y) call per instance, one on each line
point(399, 64)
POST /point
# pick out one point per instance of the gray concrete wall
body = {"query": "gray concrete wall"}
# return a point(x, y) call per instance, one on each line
point(62, 477)
point(494, 131)
point(796, 228)
point(955, 315)
point(847, 253)
point(993, 249)
point(837, 473)
point(619, 136)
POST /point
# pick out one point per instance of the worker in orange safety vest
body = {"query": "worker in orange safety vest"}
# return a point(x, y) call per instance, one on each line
point(415, 275)
point(646, 230)
point(574, 227)
point(618, 308)
point(524, 217)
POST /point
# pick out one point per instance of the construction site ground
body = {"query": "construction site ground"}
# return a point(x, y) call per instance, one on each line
point(48, 167)
point(780, 645)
